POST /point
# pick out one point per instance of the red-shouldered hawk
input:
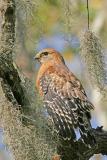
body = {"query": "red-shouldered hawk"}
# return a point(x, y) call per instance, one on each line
point(64, 97)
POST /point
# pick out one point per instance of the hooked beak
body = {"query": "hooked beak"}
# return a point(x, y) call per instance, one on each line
point(37, 56)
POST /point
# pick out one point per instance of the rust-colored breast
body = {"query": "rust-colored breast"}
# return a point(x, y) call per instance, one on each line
point(44, 70)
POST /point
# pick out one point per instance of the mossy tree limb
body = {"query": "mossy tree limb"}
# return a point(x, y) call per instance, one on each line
point(7, 39)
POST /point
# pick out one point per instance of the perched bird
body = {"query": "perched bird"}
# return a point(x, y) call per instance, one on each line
point(64, 97)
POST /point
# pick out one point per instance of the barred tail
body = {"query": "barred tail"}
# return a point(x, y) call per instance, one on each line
point(86, 130)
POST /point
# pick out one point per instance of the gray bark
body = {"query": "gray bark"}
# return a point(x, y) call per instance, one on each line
point(8, 71)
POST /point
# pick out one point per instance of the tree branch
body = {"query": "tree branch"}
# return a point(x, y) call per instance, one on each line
point(8, 70)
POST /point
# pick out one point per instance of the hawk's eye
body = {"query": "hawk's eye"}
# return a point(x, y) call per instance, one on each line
point(45, 53)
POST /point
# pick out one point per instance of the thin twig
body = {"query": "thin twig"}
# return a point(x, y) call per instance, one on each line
point(88, 15)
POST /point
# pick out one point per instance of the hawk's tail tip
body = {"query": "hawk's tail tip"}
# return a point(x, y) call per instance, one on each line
point(89, 139)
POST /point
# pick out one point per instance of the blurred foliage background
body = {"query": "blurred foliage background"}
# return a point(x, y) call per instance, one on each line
point(58, 24)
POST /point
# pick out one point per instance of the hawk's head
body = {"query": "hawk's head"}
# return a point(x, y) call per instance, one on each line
point(49, 54)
